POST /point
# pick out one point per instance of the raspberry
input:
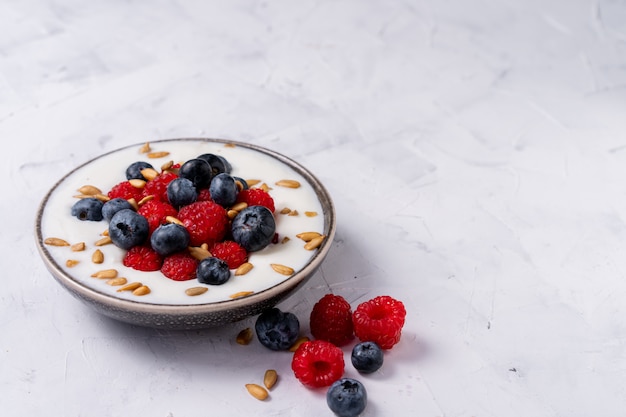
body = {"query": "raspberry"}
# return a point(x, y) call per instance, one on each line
point(142, 258)
point(206, 221)
point(317, 363)
point(204, 195)
point(158, 186)
point(379, 320)
point(256, 197)
point(156, 211)
point(126, 191)
point(230, 252)
point(180, 266)
point(331, 320)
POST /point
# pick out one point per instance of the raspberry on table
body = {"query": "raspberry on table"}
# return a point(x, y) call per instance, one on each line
point(256, 197)
point(143, 258)
point(230, 252)
point(331, 320)
point(180, 266)
point(156, 211)
point(158, 186)
point(318, 363)
point(206, 221)
point(126, 191)
point(379, 320)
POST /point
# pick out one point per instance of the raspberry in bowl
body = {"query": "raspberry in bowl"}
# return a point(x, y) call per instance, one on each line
point(185, 233)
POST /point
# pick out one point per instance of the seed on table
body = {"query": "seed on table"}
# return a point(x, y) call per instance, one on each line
point(78, 247)
point(285, 240)
point(115, 282)
point(71, 262)
point(193, 291)
point(142, 290)
point(130, 287)
point(55, 241)
point(298, 342)
point(257, 391)
point(105, 273)
point(244, 337)
point(282, 269)
point(270, 378)
point(314, 243)
point(288, 183)
point(244, 268)
point(97, 257)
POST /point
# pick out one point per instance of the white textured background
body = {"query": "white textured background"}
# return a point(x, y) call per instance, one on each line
point(475, 151)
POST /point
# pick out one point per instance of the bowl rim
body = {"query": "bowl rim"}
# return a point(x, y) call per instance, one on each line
point(285, 286)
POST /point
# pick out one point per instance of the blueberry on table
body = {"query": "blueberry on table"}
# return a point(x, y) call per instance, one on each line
point(213, 271)
point(254, 228)
point(277, 330)
point(88, 209)
point(113, 206)
point(169, 238)
point(133, 172)
point(128, 228)
point(198, 171)
point(347, 397)
point(181, 192)
point(223, 190)
point(367, 357)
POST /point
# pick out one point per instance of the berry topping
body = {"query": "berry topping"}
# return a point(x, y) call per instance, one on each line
point(143, 258)
point(379, 320)
point(88, 209)
point(213, 271)
point(206, 221)
point(223, 190)
point(158, 186)
point(180, 266)
point(367, 357)
point(134, 170)
point(156, 211)
point(204, 195)
point(126, 191)
point(198, 171)
point(277, 330)
point(113, 206)
point(317, 363)
point(346, 397)
point(253, 228)
point(218, 163)
point(231, 252)
point(169, 238)
point(128, 228)
point(256, 197)
point(181, 192)
point(331, 320)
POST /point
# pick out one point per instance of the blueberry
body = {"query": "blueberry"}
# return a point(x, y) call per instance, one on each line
point(254, 228)
point(113, 206)
point(169, 238)
point(128, 228)
point(134, 170)
point(181, 192)
point(346, 397)
point(198, 171)
point(277, 330)
point(243, 184)
point(367, 357)
point(213, 271)
point(218, 163)
point(88, 209)
point(223, 190)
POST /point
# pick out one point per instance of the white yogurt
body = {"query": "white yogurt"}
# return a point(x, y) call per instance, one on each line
point(109, 170)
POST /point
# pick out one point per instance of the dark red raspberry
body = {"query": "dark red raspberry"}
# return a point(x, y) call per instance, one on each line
point(206, 222)
point(331, 320)
point(256, 197)
point(379, 320)
point(156, 211)
point(180, 266)
point(204, 195)
point(317, 363)
point(230, 252)
point(143, 258)
point(158, 186)
point(126, 191)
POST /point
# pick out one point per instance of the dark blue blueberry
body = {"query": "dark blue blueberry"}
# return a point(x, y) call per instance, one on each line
point(243, 185)
point(169, 238)
point(346, 397)
point(254, 228)
point(113, 206)
point(367, 357)
point(128, 228)
point(198, 171)
point(213, 271)
point(88, 209)
point(223, 190)
point(277, 330)
point(134, 170)
point(181, 192)
point(218, 163)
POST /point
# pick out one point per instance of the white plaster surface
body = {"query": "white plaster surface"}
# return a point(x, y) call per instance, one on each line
point(475, 151)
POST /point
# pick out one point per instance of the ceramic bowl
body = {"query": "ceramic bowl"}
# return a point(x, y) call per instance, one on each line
point(167, 306)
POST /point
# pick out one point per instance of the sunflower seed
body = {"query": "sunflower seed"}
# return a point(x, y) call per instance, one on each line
point(252, 182)
point(244, 337)
point(193, 291)
point(55, 241)
point(160, 154)
point(308, 236)
point(199, 253)
point(297, 343)
point(286, 210)
point(145, 148)
point(105, 273)
point(114, 282)
point(130, 287)
point(239, 206)
point(89, 190)
point(97, 257)
point(137, 183)
point(149, 173)
point(310, 213)
point(241, 294)
point(270, 378)
point(243, 269)
point(104, 241)
point(282, 269)
point(145, 200)
point(293, 213)
point(78, 247)
point(142, 290)
point(288, 183)
point(71, 262)
point(314, 243)
point(257, 391)
point(172, 219)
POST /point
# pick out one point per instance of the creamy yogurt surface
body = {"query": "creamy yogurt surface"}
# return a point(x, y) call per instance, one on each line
point(247, 163)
